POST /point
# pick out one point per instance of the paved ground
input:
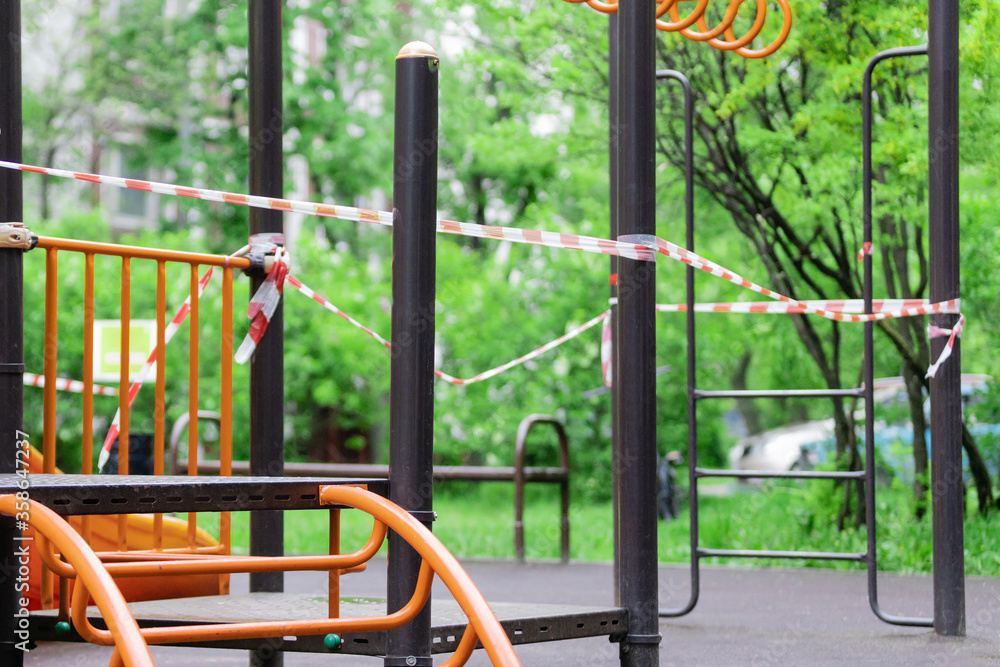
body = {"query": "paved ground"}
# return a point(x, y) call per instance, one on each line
point(744, 617)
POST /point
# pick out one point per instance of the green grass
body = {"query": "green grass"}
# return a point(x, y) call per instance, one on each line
point(477, 521)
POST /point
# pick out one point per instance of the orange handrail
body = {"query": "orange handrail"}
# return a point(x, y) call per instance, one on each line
point(122, 627)
point(481, 617)
point(158, 563)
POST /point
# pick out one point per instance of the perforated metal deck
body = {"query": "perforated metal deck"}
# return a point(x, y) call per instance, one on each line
point(524, 623)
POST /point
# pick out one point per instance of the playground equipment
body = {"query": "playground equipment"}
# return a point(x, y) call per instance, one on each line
point(519, 473)
point(725, 26)
point(630, 119)
point(633, 623)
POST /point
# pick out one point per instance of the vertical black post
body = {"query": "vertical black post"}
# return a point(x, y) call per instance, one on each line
point(267, 391)
point(635, 372)
point(613, 234)
point(11, 311)
point(946, 403)
point(411, 398)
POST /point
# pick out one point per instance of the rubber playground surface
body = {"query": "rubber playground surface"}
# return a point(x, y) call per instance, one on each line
point(744, 617)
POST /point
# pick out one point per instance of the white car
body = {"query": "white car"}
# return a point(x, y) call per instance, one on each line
point(802, 446)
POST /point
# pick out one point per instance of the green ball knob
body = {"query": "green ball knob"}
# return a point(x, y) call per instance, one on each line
point(63, 628)
point(332, 641)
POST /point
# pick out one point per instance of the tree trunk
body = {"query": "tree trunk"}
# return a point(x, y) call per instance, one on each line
point(915, 393)
point(751, 417)
point(981, 476)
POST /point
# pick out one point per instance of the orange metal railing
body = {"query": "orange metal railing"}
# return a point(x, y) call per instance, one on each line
point(53, 248)
point(483, 625)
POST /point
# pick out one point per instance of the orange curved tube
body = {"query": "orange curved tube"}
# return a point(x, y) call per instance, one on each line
point(732, 9)
point(464, 649)
point(494, 639)
point(732, 44)
point(122, 628)
point(153, 563)
point(687, 22)
point(603, 7)
point(786, 27)
point(230, 631)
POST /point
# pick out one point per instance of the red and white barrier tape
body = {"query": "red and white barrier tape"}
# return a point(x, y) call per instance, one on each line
point(888, 308)
point(323, 301)
point(62, 384)
point(549, 239)
point(133, 390)
point(696, 261)
point(866, 249)
point(261, 308)
point(606, 352)
point(952, 334)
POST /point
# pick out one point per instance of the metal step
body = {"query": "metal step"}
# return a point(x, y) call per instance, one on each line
point(792, 555)
point(776, 474)
point(700, 394)
point(524, 623)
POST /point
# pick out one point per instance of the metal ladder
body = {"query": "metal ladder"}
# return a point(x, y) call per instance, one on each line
point(865, 392)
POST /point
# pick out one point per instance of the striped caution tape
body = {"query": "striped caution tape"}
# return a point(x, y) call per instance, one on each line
point(262, 305)
point(350, 213)
point(694, 260)
point(606, 352)
point(889, 308)
point(133, 391)
point(952, 334)
point(534, 354)
point(62, 384)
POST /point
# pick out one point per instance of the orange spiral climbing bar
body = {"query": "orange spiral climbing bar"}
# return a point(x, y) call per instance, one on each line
point(712, 35)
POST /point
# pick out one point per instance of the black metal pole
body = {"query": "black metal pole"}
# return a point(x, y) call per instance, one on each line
point(869, 369)
point(692, 402)
point(635, 372)
point(11, 314)
point(613, 234)
point(411, 385)
point(267, 391)
point(946, 400)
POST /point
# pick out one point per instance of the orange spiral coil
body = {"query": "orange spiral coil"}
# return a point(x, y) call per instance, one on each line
point(711, 36)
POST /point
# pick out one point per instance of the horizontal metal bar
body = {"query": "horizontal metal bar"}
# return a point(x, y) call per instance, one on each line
point(339, 470)
point(792, 555)
point(131, 494)
point(783, 474)
point(116, 250)
point(780, 393)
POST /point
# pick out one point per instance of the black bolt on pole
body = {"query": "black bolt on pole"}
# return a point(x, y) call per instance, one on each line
point(411, 385)
point(11, 316)
point(636, 345)
point(267, 391)
point(613, 234)
point(946, 400)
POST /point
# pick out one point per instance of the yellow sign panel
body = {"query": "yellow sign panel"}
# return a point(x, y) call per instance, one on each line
point(108, 348)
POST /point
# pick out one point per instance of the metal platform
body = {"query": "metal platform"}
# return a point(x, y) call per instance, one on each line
point(524, 623)
point(131, 494)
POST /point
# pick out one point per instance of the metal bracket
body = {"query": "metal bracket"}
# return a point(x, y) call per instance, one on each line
point(424, 516)
point(11, 369)
point(408, 661)
point(16, 235)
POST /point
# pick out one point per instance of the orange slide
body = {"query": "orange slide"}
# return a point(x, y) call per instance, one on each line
point(139, 536)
